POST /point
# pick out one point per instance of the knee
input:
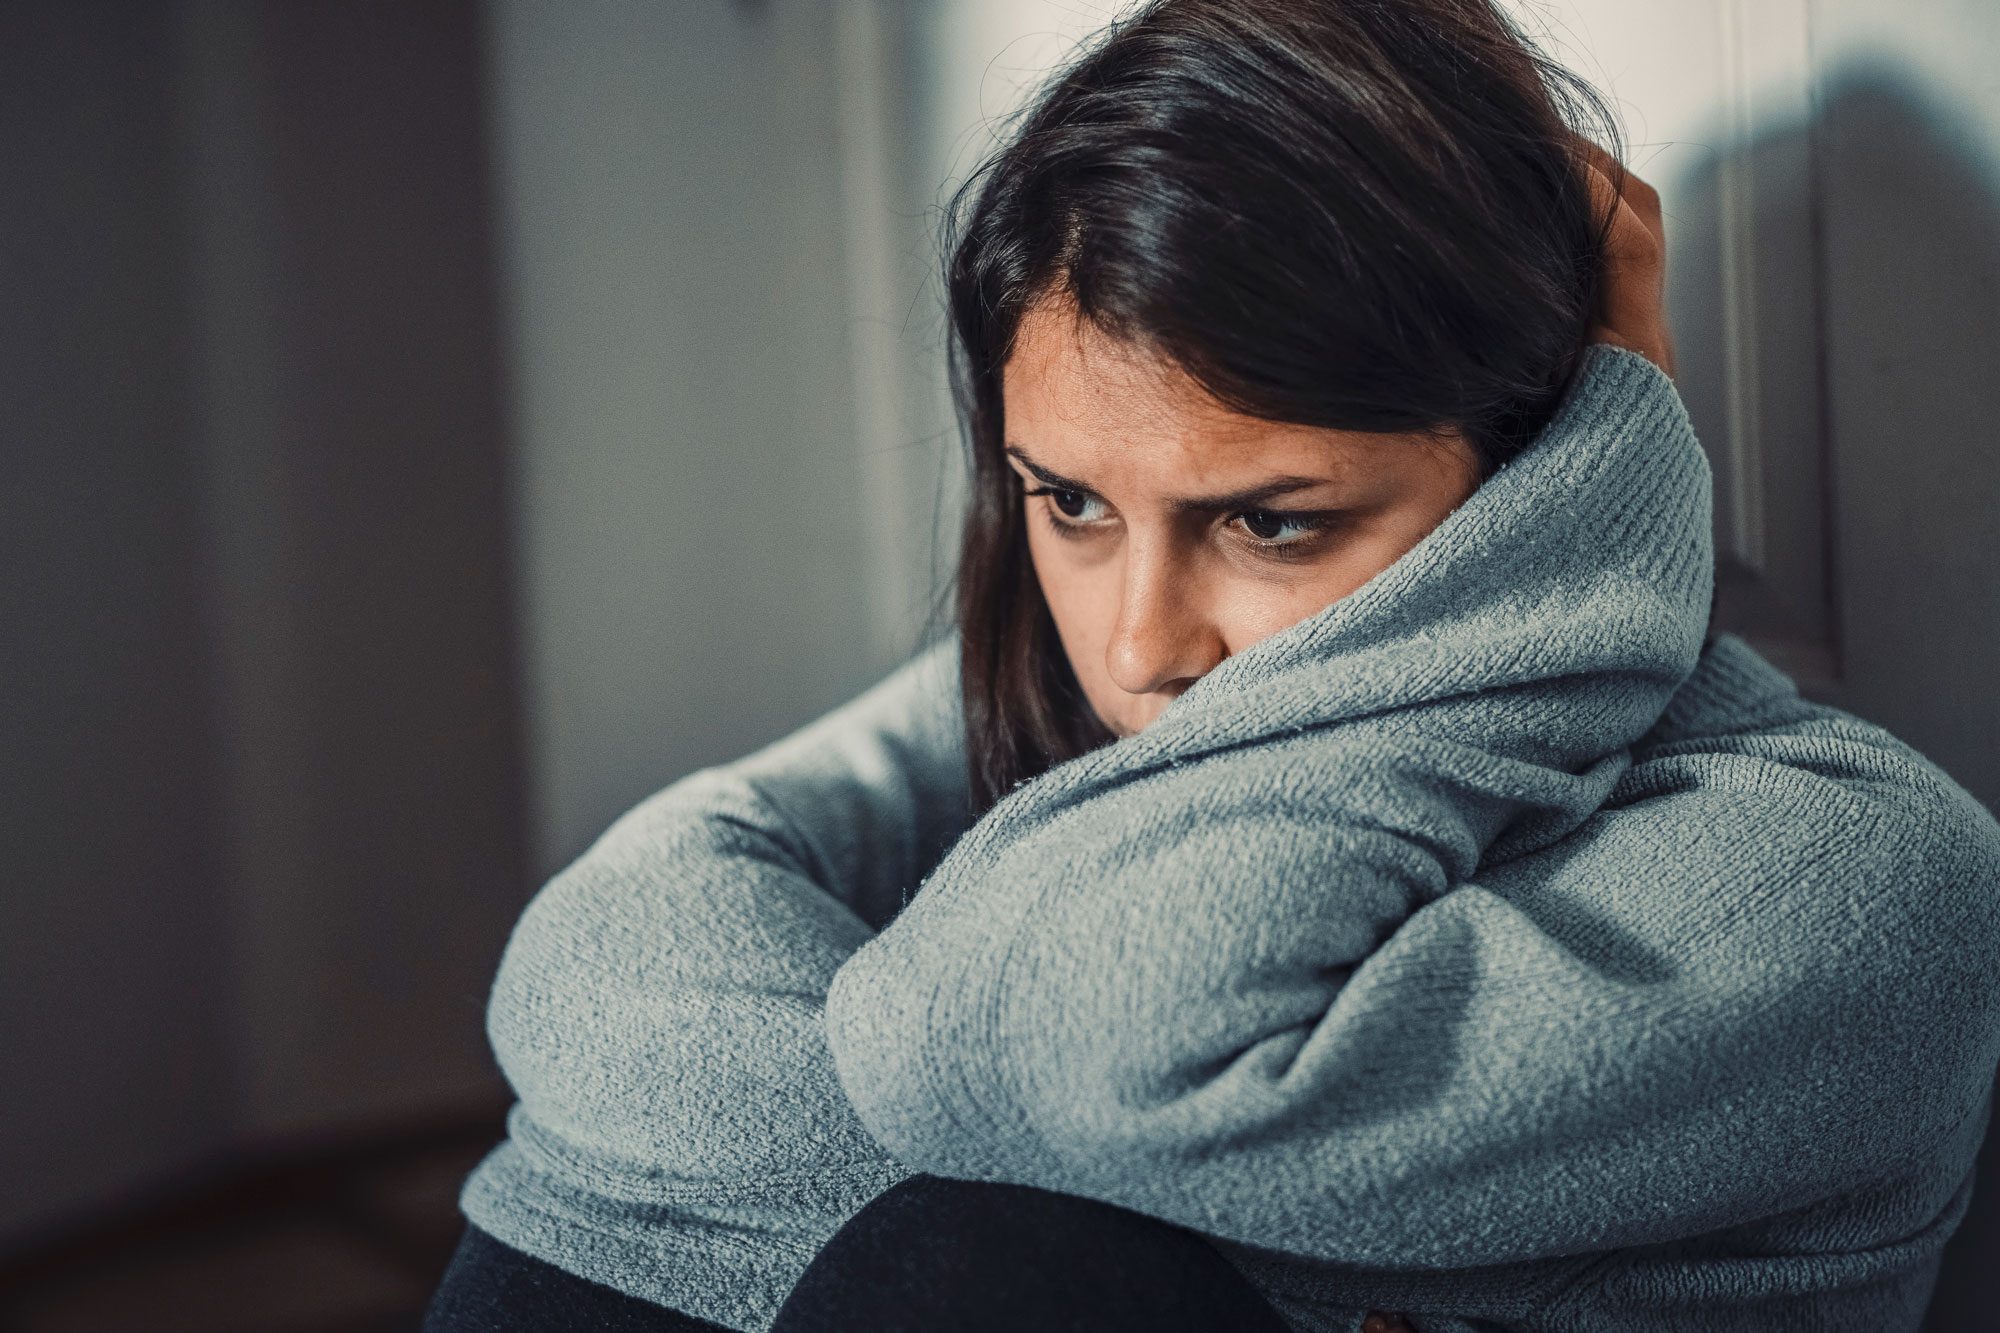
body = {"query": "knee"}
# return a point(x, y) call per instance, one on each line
point(931, 1253)
point(933, 1214)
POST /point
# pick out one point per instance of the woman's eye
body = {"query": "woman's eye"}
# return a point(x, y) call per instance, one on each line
point(1279, 534)
point(1282, 529)
point(1070, 504)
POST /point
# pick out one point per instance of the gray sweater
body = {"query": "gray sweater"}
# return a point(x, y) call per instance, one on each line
point(1485, 946)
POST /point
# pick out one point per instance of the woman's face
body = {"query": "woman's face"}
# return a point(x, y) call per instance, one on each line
point(1179, 532)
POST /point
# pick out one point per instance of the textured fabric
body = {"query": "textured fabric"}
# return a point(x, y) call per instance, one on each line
point(1483, 947)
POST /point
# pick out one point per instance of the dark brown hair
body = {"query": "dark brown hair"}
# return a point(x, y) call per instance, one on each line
point(1359, 214)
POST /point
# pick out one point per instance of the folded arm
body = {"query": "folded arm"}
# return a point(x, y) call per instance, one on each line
point(658, 1006)
point(1297, 1014)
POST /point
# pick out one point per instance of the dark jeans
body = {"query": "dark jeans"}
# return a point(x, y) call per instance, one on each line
point(926, 1254)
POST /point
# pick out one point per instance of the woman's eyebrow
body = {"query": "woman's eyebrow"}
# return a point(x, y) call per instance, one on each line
point(1245, 498)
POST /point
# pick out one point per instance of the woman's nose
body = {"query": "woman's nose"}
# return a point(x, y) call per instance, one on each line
point(1163, 639)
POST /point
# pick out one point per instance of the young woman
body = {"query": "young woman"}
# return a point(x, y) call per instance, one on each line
point(1328, 877)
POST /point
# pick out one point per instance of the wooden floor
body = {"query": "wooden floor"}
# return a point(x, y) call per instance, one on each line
point(347, 1241)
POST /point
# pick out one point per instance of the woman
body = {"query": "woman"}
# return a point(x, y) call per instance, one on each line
point(1355, 887)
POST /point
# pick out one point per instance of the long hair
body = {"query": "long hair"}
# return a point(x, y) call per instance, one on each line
point(1368, 215)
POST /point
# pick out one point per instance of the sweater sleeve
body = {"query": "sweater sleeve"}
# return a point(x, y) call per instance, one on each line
point(657, 1008)
point(1308, 1021)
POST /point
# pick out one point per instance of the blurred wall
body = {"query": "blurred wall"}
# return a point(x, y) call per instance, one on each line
point(720, 493)
point(433, 428)
point(109, 731)
point(261, 774)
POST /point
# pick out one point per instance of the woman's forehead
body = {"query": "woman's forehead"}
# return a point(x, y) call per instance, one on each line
point(1098, 410)
point(1072, 390)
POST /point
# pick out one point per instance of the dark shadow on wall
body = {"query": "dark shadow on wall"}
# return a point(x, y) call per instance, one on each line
point(1876, 292)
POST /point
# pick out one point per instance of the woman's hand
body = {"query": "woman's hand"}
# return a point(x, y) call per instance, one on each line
point(1632, 308)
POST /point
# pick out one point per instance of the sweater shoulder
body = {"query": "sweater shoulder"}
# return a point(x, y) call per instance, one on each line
point(1808, 758)
point(1831, 817)
point(1739, 727)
